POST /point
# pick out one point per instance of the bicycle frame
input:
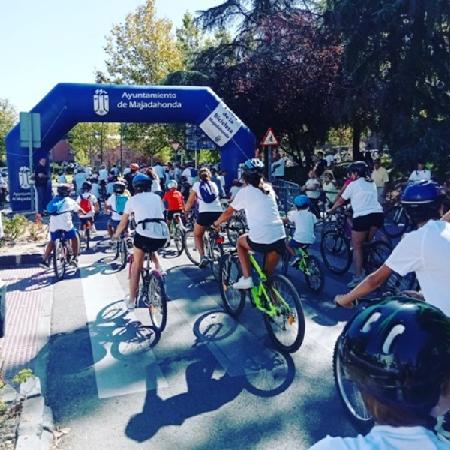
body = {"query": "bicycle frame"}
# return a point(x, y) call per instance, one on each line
point(260, 294)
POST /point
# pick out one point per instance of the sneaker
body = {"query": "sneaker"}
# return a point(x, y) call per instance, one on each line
point(45, 264)
point(130, 303)
point(355, 281)
point(203, 263)
point(243, 283)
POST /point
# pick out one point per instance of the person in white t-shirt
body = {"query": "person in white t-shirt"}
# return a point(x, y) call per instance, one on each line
point(367, 213)
point(79, 178)
point(420, 173)
point(151, 230)
point(397, 354)
point(206, 193)
point(312, 190)
point(115, 205)
point(266, 230)
point(60, 210)
point(425, 251)
point(304, 222)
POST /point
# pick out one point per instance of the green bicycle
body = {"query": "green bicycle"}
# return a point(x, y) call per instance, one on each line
point(275, 297)
point(308, 264)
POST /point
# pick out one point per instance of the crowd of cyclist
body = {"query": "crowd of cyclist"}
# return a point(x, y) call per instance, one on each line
point(396, 351)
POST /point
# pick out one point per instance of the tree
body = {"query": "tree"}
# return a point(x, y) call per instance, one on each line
point(190, 40)
point(8, 117)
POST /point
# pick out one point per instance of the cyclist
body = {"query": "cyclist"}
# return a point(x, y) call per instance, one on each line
point(397, 353)
point(116, 206)
point(367, 213)
point(304, 221)
point(88, 202)
point(134, 167)
point(425, 251)
point(151, 229)
point(60, 210)
point(173, 201)
point(266, 231)
point(206, 193)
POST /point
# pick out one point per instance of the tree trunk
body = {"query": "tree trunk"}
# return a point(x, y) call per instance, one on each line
point(357, 156)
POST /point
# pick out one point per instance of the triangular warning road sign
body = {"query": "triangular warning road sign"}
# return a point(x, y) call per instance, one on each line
point(269, 139)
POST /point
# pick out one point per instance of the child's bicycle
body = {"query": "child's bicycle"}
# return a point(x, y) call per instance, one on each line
point(62, 254)
point(308, 264)
point(275, 297)
point(177, 231)
point(85, 234)
point(122, 250)
point(152, 293)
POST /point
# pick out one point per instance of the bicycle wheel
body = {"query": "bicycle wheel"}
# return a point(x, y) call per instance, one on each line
point(287, 329)
point(158, 302)
point(178, 238)
point(59, 259)
point(230, 271)
point(189, 247)
point(396, 284)
point(87, 232)
point(123, 253)
point(396, 221)
point(336, 252)
point(350, 395)
point(313, 275)
point(378, 253)
point(235, 228)
point(215, 252)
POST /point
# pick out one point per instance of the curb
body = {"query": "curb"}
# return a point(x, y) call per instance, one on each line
point(31, 259)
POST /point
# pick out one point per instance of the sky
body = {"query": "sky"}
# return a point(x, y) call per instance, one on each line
point(46, 42)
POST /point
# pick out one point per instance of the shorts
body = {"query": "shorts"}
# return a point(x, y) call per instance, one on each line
point(70, 234)
point(365, 223)
point(147, 244)
point(277, 246)
point(86, 220)
point(113, 223)
point(206, 219)
point(171, 213)
point(295, 244)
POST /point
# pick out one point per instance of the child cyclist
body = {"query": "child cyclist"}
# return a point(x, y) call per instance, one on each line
point(151, 229)
point(60, 210)
point(173, 201)
point(88, 202)
point(304, 222)
point(116, 205)
point(397, 352)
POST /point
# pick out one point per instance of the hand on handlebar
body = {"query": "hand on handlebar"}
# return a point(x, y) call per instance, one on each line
point(342, 301)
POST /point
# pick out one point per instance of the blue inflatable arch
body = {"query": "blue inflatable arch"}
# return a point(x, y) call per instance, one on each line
point(68, 104)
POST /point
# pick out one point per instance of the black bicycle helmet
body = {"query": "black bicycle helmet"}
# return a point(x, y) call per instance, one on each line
point(119, 187)
point(422, 201)
point(141, 183)
point(87, 186)
point(398, 351)
point(359, 167)
point(64, 190)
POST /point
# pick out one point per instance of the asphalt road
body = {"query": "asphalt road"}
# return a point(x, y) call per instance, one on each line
point(208, 382)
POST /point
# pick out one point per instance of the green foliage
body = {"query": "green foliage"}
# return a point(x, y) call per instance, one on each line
point(8, 116)
point(190, 40)
point(23, 375)
point(208, 157)
point(3, 407)
point(14, 227)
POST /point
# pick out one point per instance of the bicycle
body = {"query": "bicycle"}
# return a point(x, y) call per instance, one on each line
point(275, 297)
point(122, 250)
point(62, 254)
point(236, 227)
point(177, 231)
point(152, 293)
point(85, 234)
point(396, 221)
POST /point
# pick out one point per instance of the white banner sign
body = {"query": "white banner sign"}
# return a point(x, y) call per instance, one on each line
point(221, 125)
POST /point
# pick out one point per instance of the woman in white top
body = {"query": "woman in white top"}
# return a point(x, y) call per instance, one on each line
point(367, 213)
point(420, 174)
point(151, 230)
point(206, 193)
point(266, 230)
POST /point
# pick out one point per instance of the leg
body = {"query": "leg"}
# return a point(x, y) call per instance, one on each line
point(199, 231)
point(75, 249)
point(48, 250)
point(138, 261)
point(243, 248)
point(358, 239)
point(156, 261)
point(272, 259)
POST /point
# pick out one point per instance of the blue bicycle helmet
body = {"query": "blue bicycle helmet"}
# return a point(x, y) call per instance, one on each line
point(254, 165)
point(300, 201)
point(142, 183)
point(422, 201)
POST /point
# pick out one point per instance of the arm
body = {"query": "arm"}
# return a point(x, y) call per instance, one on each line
point(368, 285)
point(338, 203)
point(191, 200)
point(224, 217)
point(122, 226)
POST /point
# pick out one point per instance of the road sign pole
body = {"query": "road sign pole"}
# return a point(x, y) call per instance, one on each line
point(30, 162)
point(269, 163)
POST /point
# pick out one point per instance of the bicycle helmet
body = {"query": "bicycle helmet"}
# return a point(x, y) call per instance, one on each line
point(87, 186)
point(119, 187)
point(301, 201)
point(134, 167)
point(64, 190)
point(172, 184)
point(422, 201)
point(398, 351)
point(253, 165)
point(359, 167)
point(142, 183)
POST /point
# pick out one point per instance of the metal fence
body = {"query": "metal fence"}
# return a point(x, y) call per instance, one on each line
point(286, 192)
